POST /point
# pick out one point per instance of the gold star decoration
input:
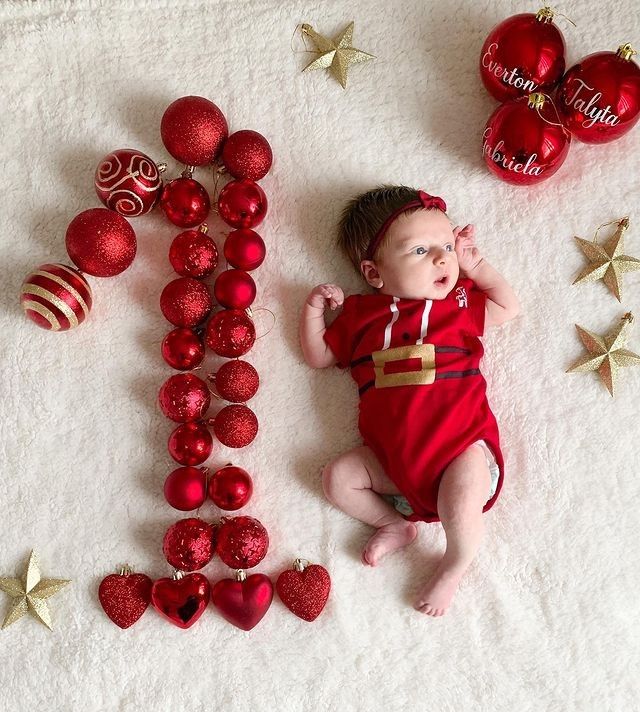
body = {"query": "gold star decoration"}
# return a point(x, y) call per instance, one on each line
point(606, 353)
point(606, 261)
point(29, 594)
point(336, 54)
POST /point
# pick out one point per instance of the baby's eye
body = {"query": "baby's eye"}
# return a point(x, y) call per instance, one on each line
point(420, 250)
point(448, 247)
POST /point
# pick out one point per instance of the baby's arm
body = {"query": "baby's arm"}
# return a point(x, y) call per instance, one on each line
point(312, 326)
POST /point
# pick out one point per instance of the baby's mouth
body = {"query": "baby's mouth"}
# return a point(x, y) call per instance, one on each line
point(442, 282)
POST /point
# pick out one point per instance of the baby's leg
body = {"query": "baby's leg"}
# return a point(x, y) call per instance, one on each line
point(464, 490)
point(354, 482)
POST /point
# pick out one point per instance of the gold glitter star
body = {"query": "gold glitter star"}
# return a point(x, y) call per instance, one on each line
point(337, 55)
point(29, 594)
point(606, 353)
point(606, 261)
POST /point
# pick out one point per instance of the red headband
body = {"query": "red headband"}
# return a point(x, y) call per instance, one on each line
point(424, 200)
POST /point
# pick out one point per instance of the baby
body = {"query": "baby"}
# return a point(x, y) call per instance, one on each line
point(431, 447)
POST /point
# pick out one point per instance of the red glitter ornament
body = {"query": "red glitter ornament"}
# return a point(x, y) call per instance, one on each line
point(101, 242)
point(235, 425)
point(236, 381)
point(184, 397)
point(242, 542)
point(190, 443)
point(185, 301)
point(304, 589)
point(247, 154)
point(128, 182)
point(230, 488)
point(244, 249)
point(234, 289)
point(56, 297)
point(181, 599)
point(183, 349)
point(230, 333)
point(243, 601)
point(186, 488)
point(193, 253)
point(189, 544)
point(242, 203)
point(185, 202)
point(125, 596)
point(193, 130)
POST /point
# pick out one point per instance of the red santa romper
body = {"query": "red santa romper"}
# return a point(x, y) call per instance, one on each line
point(422, 397)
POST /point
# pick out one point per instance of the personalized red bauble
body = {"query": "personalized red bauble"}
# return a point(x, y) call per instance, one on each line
point(236, 381)
point(190, 443)
point(184, 397)
point(234, 289)
point(523, 54)
point(230, 488)
point(522, 146)
point(182, 349)
point(193, 130)
point(242, 542)
point(193, 253)
point(304, 590)
point(185, 202)
point(243, 601)
point(101, 242)
point(235, 426)
point(247, 154)
point(182, 599)
point(230, 333)
point(185, 301)
point(242, 203)
point(189, 544)
point(128, 182)
point(56, 297)
point(125, 596)
point(244, 249)
point(186, 488)
point(599, 97)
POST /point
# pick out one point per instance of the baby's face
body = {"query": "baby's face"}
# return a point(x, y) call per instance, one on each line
point(419, 260)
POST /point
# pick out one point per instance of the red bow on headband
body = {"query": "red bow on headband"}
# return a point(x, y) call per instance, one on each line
point(432, 201)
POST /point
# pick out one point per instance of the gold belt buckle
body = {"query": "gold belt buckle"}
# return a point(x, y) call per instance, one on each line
point(425, 376)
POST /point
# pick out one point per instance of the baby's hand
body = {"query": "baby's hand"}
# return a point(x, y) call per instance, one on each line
point(326, 293)
point(469, 256)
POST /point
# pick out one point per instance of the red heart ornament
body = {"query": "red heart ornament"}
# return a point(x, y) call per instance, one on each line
point(125, 596)
point(182, 599)
point(304, 589)
point(244, 601)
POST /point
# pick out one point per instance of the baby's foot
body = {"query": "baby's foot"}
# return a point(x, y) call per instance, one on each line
point(436, 596)
point(387, 539)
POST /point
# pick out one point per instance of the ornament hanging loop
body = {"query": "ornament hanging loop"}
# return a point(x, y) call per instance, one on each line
point(546, 13)
point(303, 32)
point(622, 222)
point(251, 312)
point(537, 100)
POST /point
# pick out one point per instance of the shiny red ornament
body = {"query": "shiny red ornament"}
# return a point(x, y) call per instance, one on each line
point(185, 301)
point(230, 333)
point(125, 596)
point(304, 590)
point(185, 202)
point(186, 488)
point(235, 426)
point(182, 599)
point(243, 601)
point(242, 203)
point(247, 154)
point(193, 130)
point(523, 54)
point(193, 253)
point(183, 349)
point(230, 488)
point(190, 443)
point(234, 289)
point(242, 542)
point(128, 181)
point(599, 97)
point(244, 249)
point(184, 397)
point(101, 242)
point(521, 146)
point(236, 381)
point(56, 297)
point(189, 544)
